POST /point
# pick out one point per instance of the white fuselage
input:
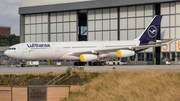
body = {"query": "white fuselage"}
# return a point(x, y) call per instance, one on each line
point(89, 50)
point(61, 50)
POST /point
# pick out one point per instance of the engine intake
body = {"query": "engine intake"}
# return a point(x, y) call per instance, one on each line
point(87, 57)
point(125, 53)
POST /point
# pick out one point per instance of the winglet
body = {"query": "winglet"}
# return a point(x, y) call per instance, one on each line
point(170, 41)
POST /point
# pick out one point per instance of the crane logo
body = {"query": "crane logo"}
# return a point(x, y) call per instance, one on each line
point(152, 31)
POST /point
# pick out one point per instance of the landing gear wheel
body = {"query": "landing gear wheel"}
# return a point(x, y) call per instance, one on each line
point(78, 64)
point(95, 63)
point(75, 63)
point(90, 63)
point(82, 64)
point(98, 64)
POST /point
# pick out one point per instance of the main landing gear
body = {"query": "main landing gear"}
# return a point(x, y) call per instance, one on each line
point(79, 63)
point(90, 64)
point(96, 63)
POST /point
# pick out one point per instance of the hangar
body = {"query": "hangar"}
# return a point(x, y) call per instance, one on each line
point(102, 20)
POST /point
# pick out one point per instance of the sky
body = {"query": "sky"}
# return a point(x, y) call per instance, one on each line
point(9, 15)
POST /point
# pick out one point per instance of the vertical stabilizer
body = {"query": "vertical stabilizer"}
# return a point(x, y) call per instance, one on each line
point(150, 33)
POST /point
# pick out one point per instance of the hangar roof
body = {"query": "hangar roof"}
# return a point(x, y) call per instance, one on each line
point(86, 5)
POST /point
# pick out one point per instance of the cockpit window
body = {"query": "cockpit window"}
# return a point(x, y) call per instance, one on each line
point(12, 49)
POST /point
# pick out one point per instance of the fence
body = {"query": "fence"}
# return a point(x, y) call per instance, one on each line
point(35, 93)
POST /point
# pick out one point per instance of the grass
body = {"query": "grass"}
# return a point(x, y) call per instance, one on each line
point(109, 86)
point(32, 74)
point(77, 78)
point(131, 86)
point(27, 79)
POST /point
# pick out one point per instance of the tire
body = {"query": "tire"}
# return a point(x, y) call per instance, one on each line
point(84, 63)
point(118, 63)
point(98, 64)
point(90, 63)
point(114, 63)
point(81, 63)
point(75, 63)
point(78, 64)
point(95, 64)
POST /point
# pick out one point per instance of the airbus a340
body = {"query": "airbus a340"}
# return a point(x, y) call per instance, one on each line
point(90, 50)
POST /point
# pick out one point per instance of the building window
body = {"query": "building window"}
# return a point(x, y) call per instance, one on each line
point(103, 24)
point(35, 26)
point(132, 58)
point(165, 57)
point(173, 56)
point(133, 20)
point(178, 56)
point(140, 56)
point(124, 59)
point(149, 56)
point(63, 26)
point(114, 58)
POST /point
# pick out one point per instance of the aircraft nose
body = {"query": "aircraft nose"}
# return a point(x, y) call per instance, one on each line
point(6, 53)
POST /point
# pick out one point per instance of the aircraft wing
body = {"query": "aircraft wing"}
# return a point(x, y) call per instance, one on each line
point(155, 44)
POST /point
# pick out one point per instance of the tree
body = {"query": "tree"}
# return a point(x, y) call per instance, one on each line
point(13, 39)
point(2, 37)
point(4, 42)
point(9, 41)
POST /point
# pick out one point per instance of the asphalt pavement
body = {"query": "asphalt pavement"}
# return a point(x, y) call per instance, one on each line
point(52, 68)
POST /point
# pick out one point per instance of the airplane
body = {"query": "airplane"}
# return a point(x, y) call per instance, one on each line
point(90, 50)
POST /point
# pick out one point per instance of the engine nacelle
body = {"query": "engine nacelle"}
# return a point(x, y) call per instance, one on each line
point(87, 57)
point(125, 53)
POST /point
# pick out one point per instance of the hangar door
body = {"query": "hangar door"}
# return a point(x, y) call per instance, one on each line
point(103, 24)
point(63, 26)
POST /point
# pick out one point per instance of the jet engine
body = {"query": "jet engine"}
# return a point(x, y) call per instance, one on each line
point(125, 53)
point(87, 57)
